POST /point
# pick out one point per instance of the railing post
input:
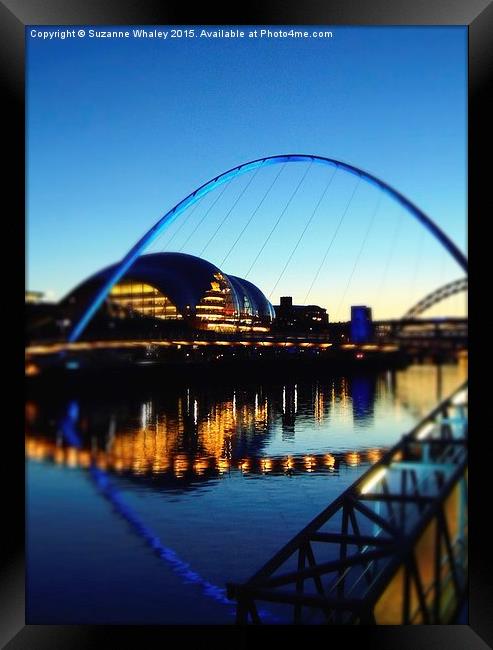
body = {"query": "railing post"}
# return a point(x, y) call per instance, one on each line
point(241, 611)
point(342, 600)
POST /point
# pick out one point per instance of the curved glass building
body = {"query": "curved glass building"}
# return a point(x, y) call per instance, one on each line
point(178, 286)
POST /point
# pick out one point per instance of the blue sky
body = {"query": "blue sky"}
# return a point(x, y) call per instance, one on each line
point(118, 131)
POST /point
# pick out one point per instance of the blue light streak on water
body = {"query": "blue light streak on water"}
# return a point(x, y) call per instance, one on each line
point(68, 425)
point(111, 493)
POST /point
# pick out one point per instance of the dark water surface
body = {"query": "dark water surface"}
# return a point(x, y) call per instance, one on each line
point(141, 506)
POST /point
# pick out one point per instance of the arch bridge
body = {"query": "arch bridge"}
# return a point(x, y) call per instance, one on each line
point(433, 298)
point(141, 245)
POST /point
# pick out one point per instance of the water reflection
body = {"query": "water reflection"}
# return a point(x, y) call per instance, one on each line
point(196, 473)
point(199, 433)
point(363, 398)
point(184, 465)
point(421, 386)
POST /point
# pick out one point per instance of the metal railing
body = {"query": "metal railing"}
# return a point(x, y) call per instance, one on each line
point(392, 549)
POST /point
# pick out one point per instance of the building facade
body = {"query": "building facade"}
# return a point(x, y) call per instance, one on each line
point(301, 318)
point(178, 288)
point(361, 324)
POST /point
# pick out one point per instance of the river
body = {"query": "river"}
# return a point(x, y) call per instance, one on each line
point(142, 505)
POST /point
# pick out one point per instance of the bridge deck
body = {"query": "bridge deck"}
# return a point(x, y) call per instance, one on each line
point(392, 549)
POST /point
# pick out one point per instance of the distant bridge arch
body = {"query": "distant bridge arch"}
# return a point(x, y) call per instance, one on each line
point(433, 298)
point(212, 184)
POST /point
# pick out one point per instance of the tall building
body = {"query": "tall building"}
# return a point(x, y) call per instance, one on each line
point(361, 324)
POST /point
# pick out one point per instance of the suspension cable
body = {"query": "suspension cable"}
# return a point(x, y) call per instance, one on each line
point(372, 219)
point(333, 239)
point(178, 230)
point(328, 184)
point(250, 180)
point(226, 185)
point(279, 218)
point(390, 255)
point(417, 262)
point(253, 214)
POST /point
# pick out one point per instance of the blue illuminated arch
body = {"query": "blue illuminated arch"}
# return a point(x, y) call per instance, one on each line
point(212, 184)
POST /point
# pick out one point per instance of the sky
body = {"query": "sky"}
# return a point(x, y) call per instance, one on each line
point(120, 130)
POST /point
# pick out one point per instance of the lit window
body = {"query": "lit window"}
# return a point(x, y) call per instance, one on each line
point(144, 299)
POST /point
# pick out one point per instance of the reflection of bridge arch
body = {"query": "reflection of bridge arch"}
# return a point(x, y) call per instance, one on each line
point(435, 297)
point(212, 184)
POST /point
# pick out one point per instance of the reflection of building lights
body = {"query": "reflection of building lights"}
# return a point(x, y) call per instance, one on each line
point(180, 465)
point(84, 459)
point(319, 405)
point(31, 448)
point(296, 398)
point(372, 480)
point(200, 465)
point(135, 454)
point(288, 463)
point(38, 452)
point(374, 455)
point(329, 460)
point(310, 463)
point(195, 411)
point(160, 465)
point(352, 458)
point(138, 466)
point(59, 456)
point(223, 465)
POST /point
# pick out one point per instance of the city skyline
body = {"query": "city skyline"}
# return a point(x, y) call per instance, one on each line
point(117, 133)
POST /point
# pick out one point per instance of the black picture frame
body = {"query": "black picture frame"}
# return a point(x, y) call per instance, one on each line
point(14, 16)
